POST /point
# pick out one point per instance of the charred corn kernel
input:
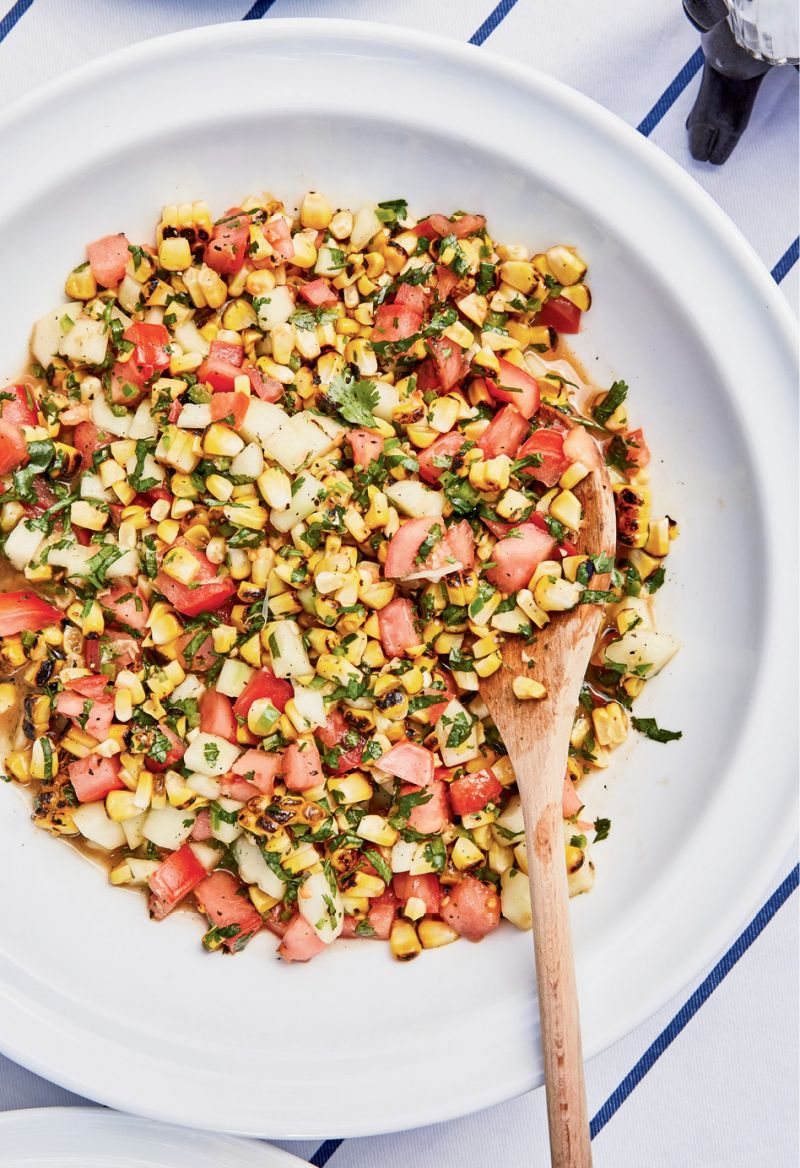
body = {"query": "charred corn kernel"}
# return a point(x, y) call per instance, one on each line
point(486, 666)
point(180, 565)
point(465, 854)
point(18, 764)
point(360, 353)
point(347, 789)
point(434, 934)
point(540, 263)
point(633, 514)
point(526, 687)
point(658, 537)
point(566, 508)
point(574, 857)
point(165, 629)
point(81, 284)
point(566, 265)
point(444, 413)
point(610, 724)
point(579, 295)
point(276, 487)
point(404, 942)
point(553, 594)
point(377, 830)
point(175, 254)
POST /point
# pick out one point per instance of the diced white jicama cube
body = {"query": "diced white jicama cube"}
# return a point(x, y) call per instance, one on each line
point(308, 494)
point(289, 657)
point(129, 293)
point(141, 870)
point(105, 418)
point(144, 424)
point(92, 487)
point(458, 727)
point(73, 559)
point(210, 755)
point(330, 261)
point(195, 416)
point(388, 399)
point(512, 820)
point(203, 784)
point(49, 332)
point(335, 430)
point(274, 307)
point(86, 342)
point(233, 677)
point(321, 905)
point(261, 420)
point(299, 440)
point(424, 861)
point(190, 339)
point(150, 469)
point(126, 565)
point(415, 499)
point(23, 544)
point(403, 853)
point(366, 226)
point(133, 830)
point(94, 825)
point(643, 650)
point(310, 705)
point(248, 463)
point(168, 827)
point(222, 830)
point(190, 687)
point(209, 857)
point(254, 869)
point(515, 898)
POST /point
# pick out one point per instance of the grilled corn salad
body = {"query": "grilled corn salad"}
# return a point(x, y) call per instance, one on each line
point(276, 488)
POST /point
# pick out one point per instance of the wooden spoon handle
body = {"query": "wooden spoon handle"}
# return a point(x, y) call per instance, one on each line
point(567, 1115)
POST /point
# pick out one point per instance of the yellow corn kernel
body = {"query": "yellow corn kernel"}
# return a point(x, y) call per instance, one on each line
point(570, 566)
point(404, 942)
point(633, 514)
point(347, 789)
point(377, 830)
point(7, 698)
point(250, 651)
point(566, 508)
point(123, 705)
point(566, 265)
point(610, 724)
point(260, 283)
point(44, 759)
point(220, 487)
point(486, 666)
point(121, 805)
point(221, 440)
point(575, 473)
point(276, 487)
point(305, 252)
point(520, 274)
point(553, 594)
point(81, 284)
point(465, 854)
point(434, 934)
point(658, 537)
point(246, 513)
point(180, 565)
point(301, 858)
point(121, 874)
point(525, 688)
point(165, 629)
point(174, 254)
point(84, 514)
point(18, 764)
point(315, 211)
point(214, 289)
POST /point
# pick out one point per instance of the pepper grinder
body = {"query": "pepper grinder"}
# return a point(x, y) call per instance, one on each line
point(742, 40)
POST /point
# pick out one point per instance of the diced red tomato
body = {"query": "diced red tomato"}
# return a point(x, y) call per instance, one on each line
point(126, 606)
point(448, 357)
point(472, 792)
point(13, 447)
point(404, 545)
point(219, 373)
point(440, 225)
point(518, 556)
point(25, 610)
point(263, 684)
point(504, 433)
point(226, 249)
point(203, 655)
point(173, 879)
point(549, 443)
point(431, 816)
point(515, 385)
point(441, 451)
point(412, 295)
point(231, 407)
point(300, 942)
point(446, 281)
point(448, 691)
point(225, 902)
point(380, 918)
point(202, 826)
point(571, 802)
point(94, 715)
point(395, 322)
point(425, 888)
point(86, 439)
point(396, 624)
point(472, 908)
point(638, 450)
point(336, 733)
point(150, 354)
point(459, 544)
point(227, 351)
point(302, 766)
point(455, 547)
point(20, 408)
point(112, 653)
point(267, 388)
point(278, 236)
point(175, 751)
point(217, 716)
point(560, 314)
point(318, 293)
point(427, 375)
point(467, 225)
point(108, 257)
point(367, 447)
point(207, 591)
point(259, 768)
point(408, 762)
point(94, 776)
point(94, 685)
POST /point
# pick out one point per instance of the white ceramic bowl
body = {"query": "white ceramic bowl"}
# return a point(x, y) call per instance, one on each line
point(135, 1014)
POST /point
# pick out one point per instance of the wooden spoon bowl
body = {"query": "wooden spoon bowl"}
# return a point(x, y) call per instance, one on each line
point(536, 734)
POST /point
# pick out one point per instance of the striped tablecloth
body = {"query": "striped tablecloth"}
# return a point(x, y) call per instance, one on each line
point(711, 1081)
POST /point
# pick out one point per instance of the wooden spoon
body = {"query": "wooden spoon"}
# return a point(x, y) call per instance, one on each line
point(536, 734)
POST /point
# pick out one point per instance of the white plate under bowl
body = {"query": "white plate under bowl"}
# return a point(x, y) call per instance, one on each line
point(135, 1014)
point(91, 1137)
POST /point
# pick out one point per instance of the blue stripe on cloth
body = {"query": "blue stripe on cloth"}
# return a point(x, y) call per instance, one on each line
point(495, 17)
point(12, 16)
point(259, 9)
point(324, 1153)
point(787, 261)
point(698, 998)
point(671, 93)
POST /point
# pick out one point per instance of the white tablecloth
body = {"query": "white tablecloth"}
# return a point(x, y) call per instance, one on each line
point(711, 1081)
